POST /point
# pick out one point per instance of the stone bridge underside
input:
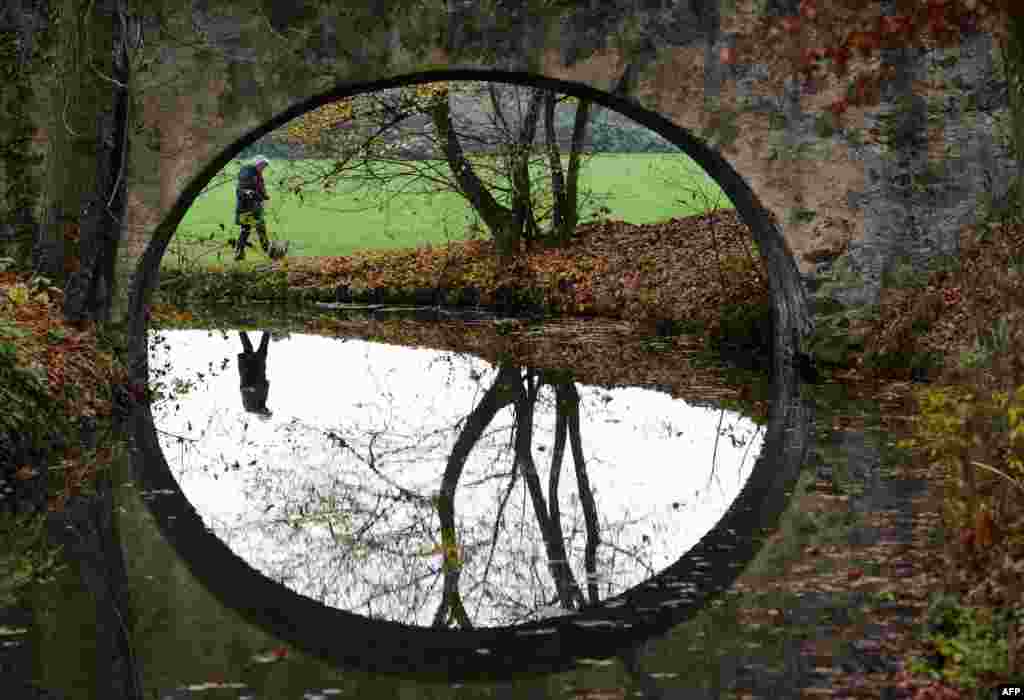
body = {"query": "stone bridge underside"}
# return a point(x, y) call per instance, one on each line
point(215, 75)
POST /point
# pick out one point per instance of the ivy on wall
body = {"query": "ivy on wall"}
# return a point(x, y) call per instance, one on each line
point(20, 180)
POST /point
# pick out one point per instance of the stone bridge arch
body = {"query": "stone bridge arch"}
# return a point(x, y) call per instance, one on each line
point(211, 76)
point(790, 314)
point(239, 75)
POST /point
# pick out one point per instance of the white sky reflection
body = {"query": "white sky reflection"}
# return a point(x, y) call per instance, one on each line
point(316, 499)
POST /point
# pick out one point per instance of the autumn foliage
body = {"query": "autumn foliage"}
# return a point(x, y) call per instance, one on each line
point(309, 128)
point(52, 374)
point(683, 270)
point(841, 40)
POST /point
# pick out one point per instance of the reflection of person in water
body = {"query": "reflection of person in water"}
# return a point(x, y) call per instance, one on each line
point(252, 373)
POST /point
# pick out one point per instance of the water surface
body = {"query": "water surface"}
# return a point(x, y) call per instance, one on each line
point(330, 485)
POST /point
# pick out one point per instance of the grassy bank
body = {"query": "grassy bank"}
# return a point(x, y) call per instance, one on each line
point(638, 188)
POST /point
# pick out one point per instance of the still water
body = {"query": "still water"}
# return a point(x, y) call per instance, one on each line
point(330, 485)
point(452, 526)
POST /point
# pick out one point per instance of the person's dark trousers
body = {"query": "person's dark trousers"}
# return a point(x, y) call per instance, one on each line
point(248, 221)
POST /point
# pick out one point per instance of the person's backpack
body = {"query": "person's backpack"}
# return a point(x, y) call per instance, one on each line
point(248, 184)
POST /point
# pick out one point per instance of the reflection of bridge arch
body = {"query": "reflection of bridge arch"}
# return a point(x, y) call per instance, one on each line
point(614, 626)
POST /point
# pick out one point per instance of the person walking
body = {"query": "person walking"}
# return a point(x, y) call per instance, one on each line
point(249, 197)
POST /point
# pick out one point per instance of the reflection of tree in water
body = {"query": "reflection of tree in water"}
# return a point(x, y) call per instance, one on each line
point(373, 523)
point(511, 387)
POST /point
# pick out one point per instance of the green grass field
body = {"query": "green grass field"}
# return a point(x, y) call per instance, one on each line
point(638, 188)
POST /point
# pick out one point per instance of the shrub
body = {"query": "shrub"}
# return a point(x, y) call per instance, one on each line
point(970, 644)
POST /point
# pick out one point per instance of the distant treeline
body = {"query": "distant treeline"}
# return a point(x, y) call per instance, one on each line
point(608, 132)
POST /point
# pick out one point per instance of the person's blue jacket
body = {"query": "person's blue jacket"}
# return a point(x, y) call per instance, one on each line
point(251, 191)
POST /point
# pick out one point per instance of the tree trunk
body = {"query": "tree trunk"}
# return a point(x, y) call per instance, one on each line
point(75, 96)
point(498, 219)
point(565, 188)
point(519, 168)
point(1013, 67)
point(579, 135)
point(25, 33)
point(18, 182)
point(90, 291)
point(558, 194)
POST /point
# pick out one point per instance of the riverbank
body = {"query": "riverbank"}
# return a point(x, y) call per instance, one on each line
point(60, 387)
point(952, 344)
point(700, 275)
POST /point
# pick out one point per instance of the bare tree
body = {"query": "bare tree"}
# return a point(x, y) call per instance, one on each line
point(396, 142)
point(89, 292)
point(565, 188)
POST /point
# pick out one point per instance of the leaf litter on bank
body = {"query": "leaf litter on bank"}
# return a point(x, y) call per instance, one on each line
point(51, 373)
point(682, 269)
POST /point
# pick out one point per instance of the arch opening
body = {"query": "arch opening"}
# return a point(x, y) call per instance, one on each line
point(791, 319)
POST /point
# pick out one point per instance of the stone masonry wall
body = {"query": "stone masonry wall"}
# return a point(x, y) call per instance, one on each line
point(212, 71)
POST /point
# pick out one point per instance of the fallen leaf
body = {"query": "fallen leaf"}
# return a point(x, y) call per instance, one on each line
point(214, 685)
point(270, 656)
point(596, 662)
point(984, 527)
point(600, 694)
point(25, 473)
